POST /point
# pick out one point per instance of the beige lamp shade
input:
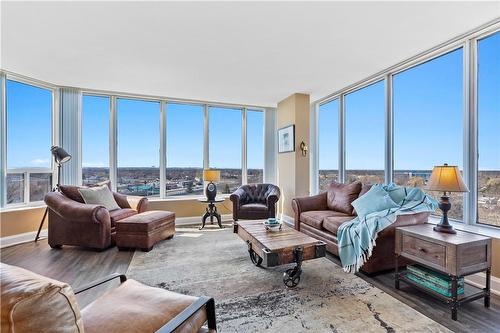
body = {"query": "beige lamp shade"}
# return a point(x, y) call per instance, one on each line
point(210, 175)
point(446, 178)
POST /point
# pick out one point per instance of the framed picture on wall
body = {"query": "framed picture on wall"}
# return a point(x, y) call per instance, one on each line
point(286, 139)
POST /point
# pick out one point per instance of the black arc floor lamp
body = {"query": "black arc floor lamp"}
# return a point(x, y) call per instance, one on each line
point(60, 157)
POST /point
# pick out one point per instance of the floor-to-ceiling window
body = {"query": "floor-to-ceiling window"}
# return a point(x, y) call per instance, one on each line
point(29, 138)
point(138, 144)
point(488, 106)
point(428, 121)
point(255, 146)
point(328, 155)
point(225, 125)
point(95, 139)
point(365, 134)
point(184, 149)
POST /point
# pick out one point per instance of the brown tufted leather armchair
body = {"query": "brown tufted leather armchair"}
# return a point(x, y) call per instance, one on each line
point(73, 222)
point(254, 202)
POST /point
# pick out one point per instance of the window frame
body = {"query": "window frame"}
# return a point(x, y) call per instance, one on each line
point(468, 42)
point(54, 141)
point(163, 119)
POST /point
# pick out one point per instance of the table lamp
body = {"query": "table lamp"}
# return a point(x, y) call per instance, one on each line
point(211, 176)
point(446, 178)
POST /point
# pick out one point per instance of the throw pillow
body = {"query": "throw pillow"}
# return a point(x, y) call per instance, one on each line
point(340, 196)
point(375, 200)
point(99, 195)
point(397, 193)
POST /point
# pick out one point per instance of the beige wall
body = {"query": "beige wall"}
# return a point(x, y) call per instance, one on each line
point(28, 219)
point(495, 258)
point(293, 168)
point(20, 221)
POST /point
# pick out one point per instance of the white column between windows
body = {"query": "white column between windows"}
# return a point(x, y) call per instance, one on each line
point(163, 149)
point(3, 143)
point(342, 152)
point(389, 131)
point(206, 143)
point(113, 143)
point(244, 137)
point(470, 131)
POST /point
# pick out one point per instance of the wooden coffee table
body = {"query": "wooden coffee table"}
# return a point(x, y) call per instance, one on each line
point(275, 248)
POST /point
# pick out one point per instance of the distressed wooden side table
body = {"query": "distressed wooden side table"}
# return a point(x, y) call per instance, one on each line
point(456, 255)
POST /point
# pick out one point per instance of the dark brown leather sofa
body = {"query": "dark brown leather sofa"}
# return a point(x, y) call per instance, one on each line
point(254, 202)
point(72, 222)
point(321, 215)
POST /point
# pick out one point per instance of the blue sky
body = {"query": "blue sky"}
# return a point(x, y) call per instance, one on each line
point(428, 124)
point(29, 124)
point(428, 116)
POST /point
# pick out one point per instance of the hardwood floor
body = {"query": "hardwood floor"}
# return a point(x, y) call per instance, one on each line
point(78, 266)
point(73, 265)
point(472, 317)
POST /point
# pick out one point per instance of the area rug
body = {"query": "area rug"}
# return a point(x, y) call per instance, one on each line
point(215, 262)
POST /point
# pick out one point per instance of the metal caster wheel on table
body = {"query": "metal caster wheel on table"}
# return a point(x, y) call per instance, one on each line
point(291, 277)
point(256, 260)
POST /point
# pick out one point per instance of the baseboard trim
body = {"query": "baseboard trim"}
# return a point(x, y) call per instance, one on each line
point(30, 236)
point(479, 279)
point(288, 220)
point(21, 238)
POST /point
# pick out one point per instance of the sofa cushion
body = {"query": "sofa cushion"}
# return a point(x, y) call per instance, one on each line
point(120, 214)
point(340, 196)
point(333, 223)
point(314, 218)
point(34, 303)
point(253, 207)
point(134, 307)
point(364, 188)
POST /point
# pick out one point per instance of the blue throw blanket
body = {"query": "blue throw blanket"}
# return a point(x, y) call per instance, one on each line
point(356, 238)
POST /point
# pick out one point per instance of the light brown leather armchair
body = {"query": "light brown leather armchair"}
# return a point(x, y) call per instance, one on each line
point(72, 222)
point(34, 303)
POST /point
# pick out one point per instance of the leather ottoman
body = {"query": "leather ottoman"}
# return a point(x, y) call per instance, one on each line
point(144, 230)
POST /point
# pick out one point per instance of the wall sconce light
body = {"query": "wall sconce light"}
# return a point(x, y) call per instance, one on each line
point(303, 148)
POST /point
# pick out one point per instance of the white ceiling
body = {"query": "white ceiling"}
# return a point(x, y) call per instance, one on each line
point(234, 52)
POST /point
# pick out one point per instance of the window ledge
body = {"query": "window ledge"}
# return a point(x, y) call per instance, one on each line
point(484, 230)
point(185, 198)
point(30, 206)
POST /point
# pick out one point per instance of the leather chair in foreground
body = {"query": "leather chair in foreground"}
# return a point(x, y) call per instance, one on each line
point(33, 303)
point(254, 202)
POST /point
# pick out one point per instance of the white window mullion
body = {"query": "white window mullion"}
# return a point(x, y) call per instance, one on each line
point(113, 143)
point(244, 157)
point(3, 143)
point(163, 149)
point(389, 131)
point(26, 184)
point(206, 143)
point(470, 130)
point(342, 152)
